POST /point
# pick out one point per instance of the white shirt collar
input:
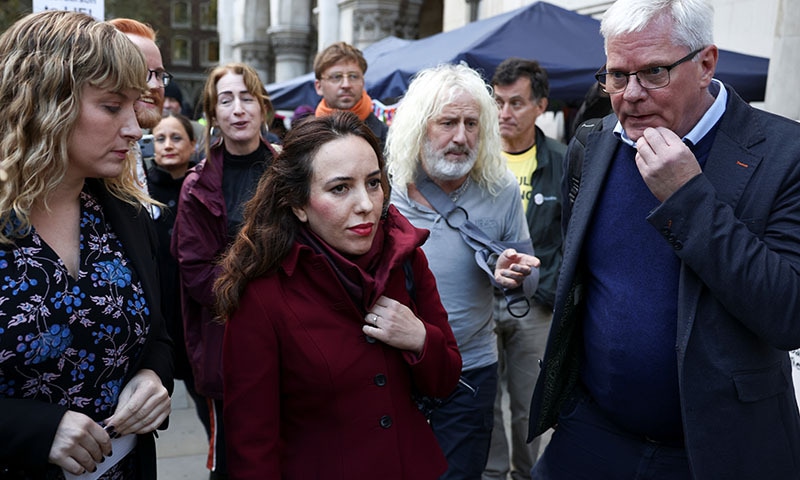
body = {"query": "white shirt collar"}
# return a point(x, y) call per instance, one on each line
point(701, 128)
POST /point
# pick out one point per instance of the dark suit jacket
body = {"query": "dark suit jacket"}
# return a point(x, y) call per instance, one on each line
point(379, 128)
point(28, 426)
point(736, 230)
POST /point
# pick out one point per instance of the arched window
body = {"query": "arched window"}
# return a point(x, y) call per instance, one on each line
point(209, 52)
point(181, 50)
point(208, 15)
point(181, 13)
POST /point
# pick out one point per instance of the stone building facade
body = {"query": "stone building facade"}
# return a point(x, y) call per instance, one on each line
point(281, 37)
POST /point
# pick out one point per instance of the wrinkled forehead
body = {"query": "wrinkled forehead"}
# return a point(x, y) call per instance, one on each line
point(459, 104)
point(346, 65)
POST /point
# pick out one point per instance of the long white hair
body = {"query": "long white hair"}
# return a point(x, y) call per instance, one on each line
point(430, 91)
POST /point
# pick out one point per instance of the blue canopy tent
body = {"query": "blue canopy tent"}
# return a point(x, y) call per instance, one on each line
point(567, 44)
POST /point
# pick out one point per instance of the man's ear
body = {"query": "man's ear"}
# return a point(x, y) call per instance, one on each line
point(542, 103)
point(708, 62)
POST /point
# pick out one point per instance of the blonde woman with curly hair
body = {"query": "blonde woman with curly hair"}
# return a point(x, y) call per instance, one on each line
point(85, 362)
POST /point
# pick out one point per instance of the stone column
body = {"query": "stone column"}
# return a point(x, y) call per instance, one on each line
point(327, 23)
point(290, 37)
point(291, 48)
point(472, 8)
point(246, 30)
point(257, 55)
point(784, 65)
point(225, 29)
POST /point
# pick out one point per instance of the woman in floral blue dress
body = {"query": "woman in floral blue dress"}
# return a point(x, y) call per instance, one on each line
point(85, 363)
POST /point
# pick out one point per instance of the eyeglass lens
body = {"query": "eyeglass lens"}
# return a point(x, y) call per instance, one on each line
point(164, 77)
point(649, 78)
point(352, 77)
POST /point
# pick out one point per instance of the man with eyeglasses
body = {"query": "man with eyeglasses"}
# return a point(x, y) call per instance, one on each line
point(148, 107)
point(339, 71)
point(679, 292)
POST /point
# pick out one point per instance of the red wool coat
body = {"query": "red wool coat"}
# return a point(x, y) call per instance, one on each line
point(308, 395)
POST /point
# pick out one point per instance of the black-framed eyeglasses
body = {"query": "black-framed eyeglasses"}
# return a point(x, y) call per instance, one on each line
point(649, 78)
point(164, 77)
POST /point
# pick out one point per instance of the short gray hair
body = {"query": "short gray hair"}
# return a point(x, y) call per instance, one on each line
point(692, 20)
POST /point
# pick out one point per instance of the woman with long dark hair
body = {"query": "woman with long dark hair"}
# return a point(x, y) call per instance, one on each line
point(333, 320)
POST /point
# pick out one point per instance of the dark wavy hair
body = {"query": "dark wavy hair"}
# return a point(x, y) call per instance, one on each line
point(270, 225)
point(512, 69)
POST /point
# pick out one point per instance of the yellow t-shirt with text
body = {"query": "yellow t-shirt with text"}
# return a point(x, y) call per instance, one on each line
point(523, 165)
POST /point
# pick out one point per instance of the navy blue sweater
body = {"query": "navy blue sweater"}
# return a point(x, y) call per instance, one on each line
point(631, 305)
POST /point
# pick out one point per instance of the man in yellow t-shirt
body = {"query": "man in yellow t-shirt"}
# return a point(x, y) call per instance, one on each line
point(521, 89)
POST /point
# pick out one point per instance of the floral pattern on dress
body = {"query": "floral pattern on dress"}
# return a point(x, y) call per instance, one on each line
point(64, 340)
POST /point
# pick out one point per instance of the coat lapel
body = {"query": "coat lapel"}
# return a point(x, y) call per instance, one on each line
point(731, 162)
point(599, 151)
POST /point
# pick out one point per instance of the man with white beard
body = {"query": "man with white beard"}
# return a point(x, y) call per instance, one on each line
point(445, 136)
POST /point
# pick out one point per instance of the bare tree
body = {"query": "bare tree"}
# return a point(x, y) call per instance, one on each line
point(153, 12)
point(13, 10)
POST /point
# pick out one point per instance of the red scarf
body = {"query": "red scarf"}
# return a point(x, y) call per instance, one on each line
point(361, 275)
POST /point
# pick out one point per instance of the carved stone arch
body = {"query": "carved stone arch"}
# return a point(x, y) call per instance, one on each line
point(245, 23)
point(372, 20)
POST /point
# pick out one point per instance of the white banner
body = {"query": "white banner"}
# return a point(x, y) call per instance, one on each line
point(95, 8)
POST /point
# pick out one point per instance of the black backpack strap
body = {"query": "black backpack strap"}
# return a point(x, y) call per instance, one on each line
point(409, 271)
point(575, 166)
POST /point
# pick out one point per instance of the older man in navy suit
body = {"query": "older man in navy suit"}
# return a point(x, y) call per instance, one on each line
point(679, 294)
